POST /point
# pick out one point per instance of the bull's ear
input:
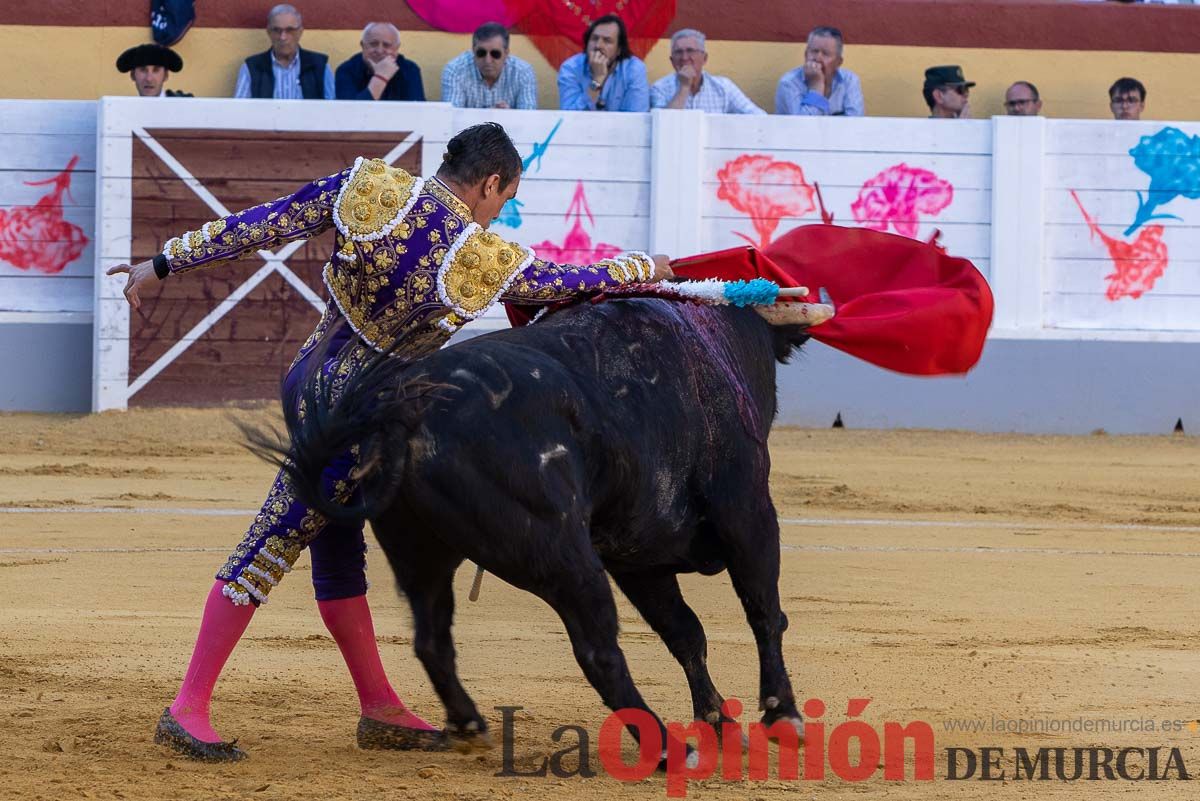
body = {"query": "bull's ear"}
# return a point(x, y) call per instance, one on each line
point(786, 339)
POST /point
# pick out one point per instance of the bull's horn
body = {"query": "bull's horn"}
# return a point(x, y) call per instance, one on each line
point(809, 314)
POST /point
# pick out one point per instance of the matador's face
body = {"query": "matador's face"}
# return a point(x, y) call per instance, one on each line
point(492, 199)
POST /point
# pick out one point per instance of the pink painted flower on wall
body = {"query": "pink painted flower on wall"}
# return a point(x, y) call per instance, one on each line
point(1137, 264)
point(765, 190)
point(898, 196)
point(576, 247)
point(38, 237)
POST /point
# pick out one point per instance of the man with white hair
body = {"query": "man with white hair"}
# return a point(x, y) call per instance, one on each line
point(286, 71)
point(821, 87)
point(691, 87)
point(379, 72)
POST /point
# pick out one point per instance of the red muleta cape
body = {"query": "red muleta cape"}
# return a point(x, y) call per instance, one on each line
point(900, 304)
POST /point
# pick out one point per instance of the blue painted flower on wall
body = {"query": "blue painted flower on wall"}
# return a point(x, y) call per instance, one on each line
point(1172, 160)
point(510, 215)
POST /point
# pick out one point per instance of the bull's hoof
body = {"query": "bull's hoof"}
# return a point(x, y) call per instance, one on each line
point(171, 734)
point(376, 735)
point(794, 720)
point(469, 738)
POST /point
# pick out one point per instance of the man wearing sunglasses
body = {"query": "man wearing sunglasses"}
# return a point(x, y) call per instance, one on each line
point(946, 92)
point(379, 72)
point(486, 76)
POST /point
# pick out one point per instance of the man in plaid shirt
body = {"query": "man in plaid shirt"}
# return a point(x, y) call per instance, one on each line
point(487, 76)
point(691, 87)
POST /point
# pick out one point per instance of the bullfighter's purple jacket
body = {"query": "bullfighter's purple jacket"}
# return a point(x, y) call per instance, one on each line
point(410, 268)
point(410, 263)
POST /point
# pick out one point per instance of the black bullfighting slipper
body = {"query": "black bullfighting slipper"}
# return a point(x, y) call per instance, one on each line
point(375, 734)
point(175, 737)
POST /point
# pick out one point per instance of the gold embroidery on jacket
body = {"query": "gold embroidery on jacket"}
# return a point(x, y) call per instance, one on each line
point(481, 268)
point(375, 195)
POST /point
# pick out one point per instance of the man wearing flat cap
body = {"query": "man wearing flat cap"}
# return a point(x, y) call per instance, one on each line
point(946, 92)
point(149, 66)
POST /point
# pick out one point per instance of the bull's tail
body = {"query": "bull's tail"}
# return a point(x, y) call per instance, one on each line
point(373, 405)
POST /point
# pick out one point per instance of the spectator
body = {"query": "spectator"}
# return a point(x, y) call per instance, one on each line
point(821, 87)
point(947, 92)
point(149, 66)
point(1022, 100)
point(1127, 99)
point(691, 87)
point(379, 72)
point(606, 76)
point(286, 71)
point(487, 76)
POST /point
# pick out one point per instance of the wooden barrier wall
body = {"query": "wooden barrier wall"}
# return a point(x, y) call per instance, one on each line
point(1001, 192)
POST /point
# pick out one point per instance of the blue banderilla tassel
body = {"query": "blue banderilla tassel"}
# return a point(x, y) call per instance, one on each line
point(755, 292)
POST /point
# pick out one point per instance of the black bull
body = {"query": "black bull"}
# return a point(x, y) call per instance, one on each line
point(627, 437)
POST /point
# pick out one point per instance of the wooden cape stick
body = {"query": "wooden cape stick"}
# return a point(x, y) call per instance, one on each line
point(476, 584)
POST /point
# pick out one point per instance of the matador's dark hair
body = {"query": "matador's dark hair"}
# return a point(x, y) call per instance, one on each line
point(479, 151)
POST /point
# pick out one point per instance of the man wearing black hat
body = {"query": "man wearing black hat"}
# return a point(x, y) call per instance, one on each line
point(946, 92)
point(149, 66)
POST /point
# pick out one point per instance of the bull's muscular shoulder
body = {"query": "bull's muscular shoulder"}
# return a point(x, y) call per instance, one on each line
point(374, 200)
point(478, 267)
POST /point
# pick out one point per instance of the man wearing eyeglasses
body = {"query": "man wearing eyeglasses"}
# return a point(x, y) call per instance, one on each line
point(487, 76)
point(1022, 100)
point(947, 92)
point(379, 72)
point(1127, 99)
point(691, 87)
point(286, 71)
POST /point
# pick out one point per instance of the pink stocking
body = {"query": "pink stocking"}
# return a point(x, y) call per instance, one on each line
point(220, 630)
point(349, 622)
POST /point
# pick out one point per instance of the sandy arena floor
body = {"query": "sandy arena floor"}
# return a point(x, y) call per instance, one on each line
point(944, 576)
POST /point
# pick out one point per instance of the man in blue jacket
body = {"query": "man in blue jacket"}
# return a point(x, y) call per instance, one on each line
point(379, 72)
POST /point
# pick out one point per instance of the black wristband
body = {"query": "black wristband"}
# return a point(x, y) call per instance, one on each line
point(162, 267)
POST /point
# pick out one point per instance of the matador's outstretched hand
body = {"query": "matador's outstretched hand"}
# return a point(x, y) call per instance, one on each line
point(139, 275)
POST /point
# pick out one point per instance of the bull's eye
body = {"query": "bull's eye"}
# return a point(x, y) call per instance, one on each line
point(365, 188)
point(468, 290)
point(388, 199)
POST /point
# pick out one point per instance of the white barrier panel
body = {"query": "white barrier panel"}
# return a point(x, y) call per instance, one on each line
point(998, 192)
point(1122, 226)
point(47, 206)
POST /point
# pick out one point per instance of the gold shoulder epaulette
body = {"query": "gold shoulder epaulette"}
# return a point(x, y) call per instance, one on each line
point(478, 268)
point(374, 199)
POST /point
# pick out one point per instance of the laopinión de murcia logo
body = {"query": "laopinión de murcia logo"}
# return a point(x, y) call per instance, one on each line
point(853, 751)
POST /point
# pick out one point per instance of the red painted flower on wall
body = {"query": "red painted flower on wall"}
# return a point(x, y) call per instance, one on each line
point(1137, 264)
point(576, 247)
point(38, 237)
point(898, 197)
point(765, 190)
